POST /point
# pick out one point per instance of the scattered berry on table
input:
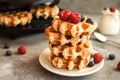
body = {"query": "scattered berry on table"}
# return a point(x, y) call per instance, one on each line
point(75, 17)
point(22, 49)
point(89, 20)
point(91, 64)
point(111, 56)
point(6, 46)
point(112, 9)
point(97, 57)
point(64, 15)
point(8, 53)
point(118, 66)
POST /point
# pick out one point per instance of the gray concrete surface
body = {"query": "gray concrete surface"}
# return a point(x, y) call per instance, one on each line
point(27, 67)
point(88, 6)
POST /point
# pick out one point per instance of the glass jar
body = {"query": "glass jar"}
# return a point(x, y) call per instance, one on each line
point(109, 22)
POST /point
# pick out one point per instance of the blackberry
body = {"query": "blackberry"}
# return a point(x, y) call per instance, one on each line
point(91, 64)
point(8, 53)
point(111, 56)
point(89, 20)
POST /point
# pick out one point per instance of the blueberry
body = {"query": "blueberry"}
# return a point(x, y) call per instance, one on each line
point(105, 8)
point(8, 53)
point(6, 46)
point(54, 2)
point(111, 56)
point(89, 21)
point(91, 56)
point(82, 18)
point(91, 63)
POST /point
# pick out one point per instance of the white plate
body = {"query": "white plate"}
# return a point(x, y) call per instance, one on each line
point(44, 61)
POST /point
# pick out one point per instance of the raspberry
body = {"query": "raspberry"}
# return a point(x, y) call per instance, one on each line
point(118, 66)
point(64, 15)
point(97, 57)
point(112, 9)
point(75, 17)
point(22, 49)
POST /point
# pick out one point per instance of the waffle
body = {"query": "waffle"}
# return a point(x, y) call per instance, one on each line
point(62, 63)
point(71, 52)
point(56, 37)
point(67, 28)
point(69, 43)
point(45, 11)
point(25, 17)
point(12, 19)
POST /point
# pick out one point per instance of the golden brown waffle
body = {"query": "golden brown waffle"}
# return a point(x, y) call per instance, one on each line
point(71, 52)
point(62, 63)
point(45, 11)
point(12, 19)
point(71, 29)
point(57, 38)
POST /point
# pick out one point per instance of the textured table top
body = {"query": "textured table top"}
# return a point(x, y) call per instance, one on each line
point(27, 67)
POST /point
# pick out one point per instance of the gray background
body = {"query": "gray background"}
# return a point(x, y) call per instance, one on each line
point(88, 6)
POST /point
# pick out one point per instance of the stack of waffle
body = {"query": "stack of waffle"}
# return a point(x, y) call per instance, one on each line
point(69, 43)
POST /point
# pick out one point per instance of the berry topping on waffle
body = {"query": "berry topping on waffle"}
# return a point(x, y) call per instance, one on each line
point(112, 9)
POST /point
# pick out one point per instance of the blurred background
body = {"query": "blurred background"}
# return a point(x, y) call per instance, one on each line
point(88, 6)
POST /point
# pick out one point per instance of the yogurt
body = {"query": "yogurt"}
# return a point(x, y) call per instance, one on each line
point(110, 21)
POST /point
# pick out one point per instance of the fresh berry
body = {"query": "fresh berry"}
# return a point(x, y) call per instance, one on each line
point(75, 17)
point(118, 66)
point(111, 56)
point(112, 9)
point(6, 46)
point(97, 57)
point(91, 63)
point(64, 15)
point(91, 56)
point(82, 18)
point(22, 49)
point(89, 20)
point(54, 2)
point(105, 8)
point(8, 53)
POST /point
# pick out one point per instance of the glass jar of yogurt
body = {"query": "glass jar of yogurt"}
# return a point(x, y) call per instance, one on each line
point(110, 21)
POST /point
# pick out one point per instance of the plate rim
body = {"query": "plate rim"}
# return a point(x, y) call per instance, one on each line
point(68, 75)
